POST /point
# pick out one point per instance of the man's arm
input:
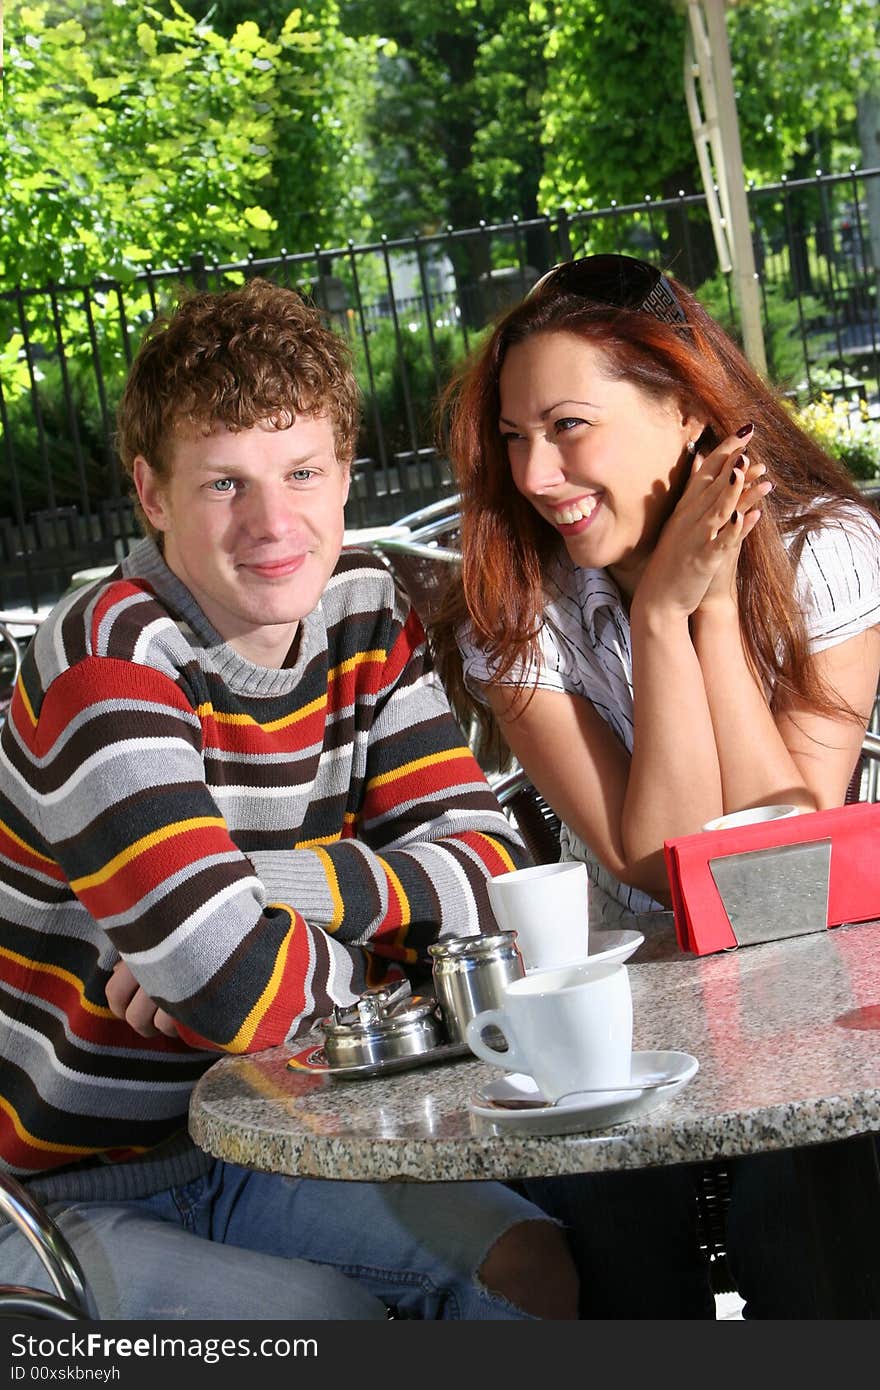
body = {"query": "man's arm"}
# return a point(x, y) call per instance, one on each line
point(244, 951)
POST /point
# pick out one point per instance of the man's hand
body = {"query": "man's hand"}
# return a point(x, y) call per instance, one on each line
point(127, 1000)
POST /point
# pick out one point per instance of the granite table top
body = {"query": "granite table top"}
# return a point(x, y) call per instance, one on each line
point(787, 1035)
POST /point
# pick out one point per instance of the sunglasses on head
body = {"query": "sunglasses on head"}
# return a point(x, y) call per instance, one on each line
point(621, 282)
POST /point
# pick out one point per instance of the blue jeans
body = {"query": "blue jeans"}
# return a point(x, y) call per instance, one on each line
point(234, 1244)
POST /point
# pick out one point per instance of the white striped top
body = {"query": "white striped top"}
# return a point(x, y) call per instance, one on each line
point(585, 650)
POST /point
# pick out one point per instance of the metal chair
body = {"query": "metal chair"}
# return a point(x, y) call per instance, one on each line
point(536, 821)
point(419, 562)
point(73, 1299)
point(10, 665)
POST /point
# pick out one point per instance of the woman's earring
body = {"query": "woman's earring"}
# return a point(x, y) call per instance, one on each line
point(691, 447)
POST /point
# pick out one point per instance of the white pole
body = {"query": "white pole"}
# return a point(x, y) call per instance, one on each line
point(745, 278)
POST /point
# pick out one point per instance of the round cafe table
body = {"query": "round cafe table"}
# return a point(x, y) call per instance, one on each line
point(786, 1035)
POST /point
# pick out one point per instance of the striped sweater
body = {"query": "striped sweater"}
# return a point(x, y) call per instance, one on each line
point(257, 844)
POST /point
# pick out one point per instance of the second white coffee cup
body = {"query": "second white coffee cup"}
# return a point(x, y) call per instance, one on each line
point(570, 1029)
point(754, 815)
point(548, 908)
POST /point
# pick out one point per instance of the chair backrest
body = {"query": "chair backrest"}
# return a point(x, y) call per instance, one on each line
point(424, 570)
point(537, 823)
point(10, 665)
point(864, 784)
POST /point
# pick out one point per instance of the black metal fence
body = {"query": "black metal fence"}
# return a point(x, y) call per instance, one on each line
point(411, 309)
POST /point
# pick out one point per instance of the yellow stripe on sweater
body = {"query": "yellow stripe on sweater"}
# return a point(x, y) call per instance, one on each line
point(156, 837)
point(41, 967)
point(333, 884)
point(207, 710)
point(29, 709)
point(33, 1142)
point(245, 1035)
point(500, 847)
point(405, 912)
point(23, 844)
point(430, 760)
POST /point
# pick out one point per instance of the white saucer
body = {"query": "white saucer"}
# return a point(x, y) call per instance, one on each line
point(608, 946)
point(604, 948)
point(498, 1106)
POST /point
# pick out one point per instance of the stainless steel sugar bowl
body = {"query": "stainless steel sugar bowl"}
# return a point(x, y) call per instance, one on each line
point(471, 973)
point(383, 1025)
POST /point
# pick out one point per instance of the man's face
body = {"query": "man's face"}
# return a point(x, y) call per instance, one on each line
point(252, 523)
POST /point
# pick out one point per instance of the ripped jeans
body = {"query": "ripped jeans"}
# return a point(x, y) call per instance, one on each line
point(238, 1244)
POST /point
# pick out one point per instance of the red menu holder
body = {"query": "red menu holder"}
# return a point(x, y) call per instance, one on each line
point(760, 882)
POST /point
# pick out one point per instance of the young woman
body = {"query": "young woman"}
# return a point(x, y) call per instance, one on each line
point(669, 605)
point(669, 595)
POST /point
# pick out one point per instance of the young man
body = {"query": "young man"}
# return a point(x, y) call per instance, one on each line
point(231, 796)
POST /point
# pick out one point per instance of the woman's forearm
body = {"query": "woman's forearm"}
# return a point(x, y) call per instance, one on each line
point(674, 783)
point(756, 767)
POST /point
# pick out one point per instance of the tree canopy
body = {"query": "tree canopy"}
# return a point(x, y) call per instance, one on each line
point(144, 132)
point(140, 133)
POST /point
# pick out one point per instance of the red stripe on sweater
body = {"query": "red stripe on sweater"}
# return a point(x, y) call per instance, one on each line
point(18, 1153)
point(114, 594)
point(425, 781)
point(247, 736)
point(66, 995)
point(96, 679)
point(154, 864)
point(10, 848)
point(411, 635)
point(488, 852)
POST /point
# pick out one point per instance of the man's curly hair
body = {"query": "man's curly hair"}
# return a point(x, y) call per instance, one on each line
point(235, 358)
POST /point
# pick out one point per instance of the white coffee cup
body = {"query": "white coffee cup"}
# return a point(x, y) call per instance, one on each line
point(754, 815)
point(548, 908)
point(570, 1029)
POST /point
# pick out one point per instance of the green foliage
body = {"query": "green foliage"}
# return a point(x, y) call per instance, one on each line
point(321, 180)
point(455, 115)
point(614, 118)
point(142, 140)
point(846, 431)
point(403, 386)
point(799, 66)
point(139, 133)
point(786, 361)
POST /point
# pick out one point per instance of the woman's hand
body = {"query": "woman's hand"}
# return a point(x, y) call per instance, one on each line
point(722, 588)
point(696, 555)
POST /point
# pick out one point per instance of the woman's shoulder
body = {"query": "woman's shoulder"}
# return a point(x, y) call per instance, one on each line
point(838, 572)
point(845, 536)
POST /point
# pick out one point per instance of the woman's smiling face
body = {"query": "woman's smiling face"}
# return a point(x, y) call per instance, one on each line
point(595, 456)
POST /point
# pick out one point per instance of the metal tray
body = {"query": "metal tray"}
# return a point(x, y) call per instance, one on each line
point(315, 1062)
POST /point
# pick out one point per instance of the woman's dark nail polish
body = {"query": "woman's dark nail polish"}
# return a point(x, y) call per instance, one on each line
point(733, 478)
point(734, 519)
point(744, 430)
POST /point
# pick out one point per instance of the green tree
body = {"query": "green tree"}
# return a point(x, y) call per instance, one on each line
point(800, 66)
point(320, 185)
point(615, 121)
point(140, 133)
point(142, 137)
point(455, 122)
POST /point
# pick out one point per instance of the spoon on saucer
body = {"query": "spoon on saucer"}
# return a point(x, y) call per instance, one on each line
point(541, 1103)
